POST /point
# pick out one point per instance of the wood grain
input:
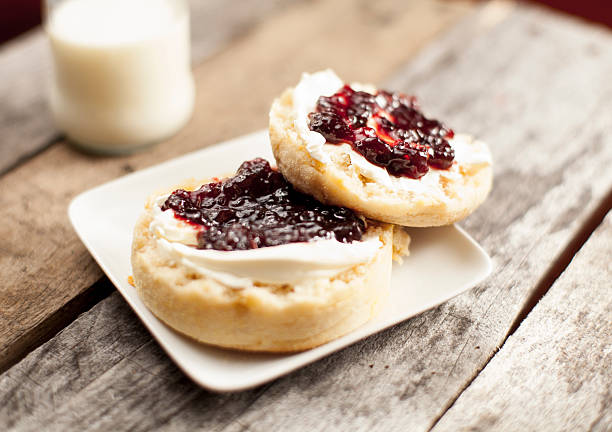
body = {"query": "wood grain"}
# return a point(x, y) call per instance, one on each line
point(499, 75)
point(554, 372)
point(26, 125)
point(43, 263)
point(91, 352)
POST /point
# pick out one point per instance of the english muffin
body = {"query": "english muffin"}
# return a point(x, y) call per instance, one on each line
point(247, 262)
point(375, 152)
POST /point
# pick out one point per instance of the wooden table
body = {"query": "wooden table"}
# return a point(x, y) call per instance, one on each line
point(528, 349)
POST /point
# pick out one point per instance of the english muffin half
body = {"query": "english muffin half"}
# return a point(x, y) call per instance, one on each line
point(375, 152)
point(249, 263)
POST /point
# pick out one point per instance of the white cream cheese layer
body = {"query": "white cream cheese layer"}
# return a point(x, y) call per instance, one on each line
point(325, 83)
point(305, 96)
point(290, 263)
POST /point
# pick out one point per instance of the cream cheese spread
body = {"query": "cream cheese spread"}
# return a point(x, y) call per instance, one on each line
point(285, 264)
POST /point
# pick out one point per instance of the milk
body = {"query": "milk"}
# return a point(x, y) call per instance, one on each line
point(122, 71)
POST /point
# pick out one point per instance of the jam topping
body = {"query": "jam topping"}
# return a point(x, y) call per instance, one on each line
point(258, 208)
point(388, 129)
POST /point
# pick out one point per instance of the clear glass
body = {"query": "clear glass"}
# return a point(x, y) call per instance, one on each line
point(122, 76)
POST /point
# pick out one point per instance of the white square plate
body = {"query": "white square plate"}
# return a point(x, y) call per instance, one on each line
point(443, 262)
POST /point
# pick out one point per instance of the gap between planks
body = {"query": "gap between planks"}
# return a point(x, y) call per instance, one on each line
point(562, 261)
point(60, 319)
point(557, 267)
point(27, 156)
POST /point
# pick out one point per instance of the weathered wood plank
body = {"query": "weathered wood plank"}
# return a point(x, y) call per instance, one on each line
point(26, 126)
point(43, 263)
point(544, 192)
point(91, 351)
point(554, 372)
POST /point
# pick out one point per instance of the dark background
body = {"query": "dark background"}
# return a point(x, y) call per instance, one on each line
point(18, 16)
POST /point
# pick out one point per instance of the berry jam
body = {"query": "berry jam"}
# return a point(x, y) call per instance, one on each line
point(258, 208)
point(388, 129)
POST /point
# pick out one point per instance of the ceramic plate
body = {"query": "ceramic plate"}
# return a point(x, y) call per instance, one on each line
point(443, 262)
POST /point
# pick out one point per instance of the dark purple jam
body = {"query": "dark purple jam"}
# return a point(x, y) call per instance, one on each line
point(258, 208)
point(388, 129)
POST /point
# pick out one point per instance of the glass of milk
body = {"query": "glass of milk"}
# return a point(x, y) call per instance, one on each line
point(122, 77)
